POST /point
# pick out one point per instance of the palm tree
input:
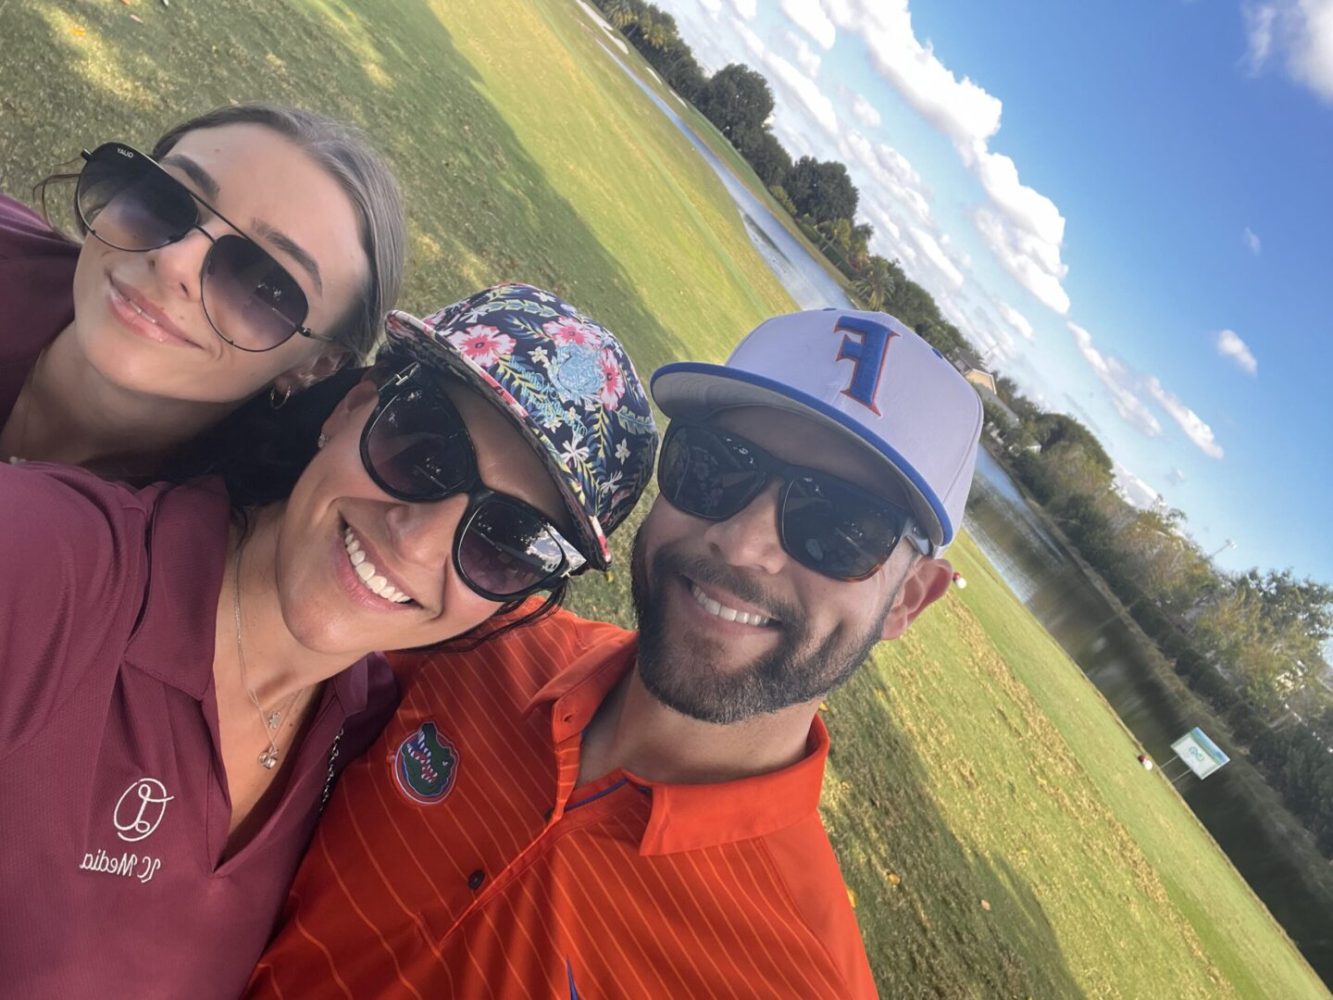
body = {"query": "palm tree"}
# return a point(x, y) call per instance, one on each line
point(876, 285)
point(619, 13)
point(658, 35)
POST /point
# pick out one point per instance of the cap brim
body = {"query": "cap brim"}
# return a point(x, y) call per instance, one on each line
point(694, 390)
point(423, 346)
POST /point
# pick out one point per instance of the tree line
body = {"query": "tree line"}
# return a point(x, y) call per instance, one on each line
point(1250, 644)
point(819, 194)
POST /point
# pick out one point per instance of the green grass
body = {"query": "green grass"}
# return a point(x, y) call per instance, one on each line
point(974, 761)
point(997, 835)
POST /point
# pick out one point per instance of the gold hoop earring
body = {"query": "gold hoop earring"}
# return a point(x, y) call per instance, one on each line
point(276, 401)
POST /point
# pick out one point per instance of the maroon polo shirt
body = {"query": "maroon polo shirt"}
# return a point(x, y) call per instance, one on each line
point(113, 804)
point(36, 293)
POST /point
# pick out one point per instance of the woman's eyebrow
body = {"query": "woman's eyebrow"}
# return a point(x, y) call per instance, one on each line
point(204, 181)
point(293, 250)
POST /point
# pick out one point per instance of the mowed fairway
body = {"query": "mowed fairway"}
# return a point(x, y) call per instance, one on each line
point(998, 837)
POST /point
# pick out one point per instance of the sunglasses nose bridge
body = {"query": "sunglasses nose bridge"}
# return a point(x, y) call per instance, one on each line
point(750, 537)
point(183, 263)
point(424, 533)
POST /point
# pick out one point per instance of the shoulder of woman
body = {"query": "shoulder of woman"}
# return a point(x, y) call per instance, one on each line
point(24, 233)
point(75, 553)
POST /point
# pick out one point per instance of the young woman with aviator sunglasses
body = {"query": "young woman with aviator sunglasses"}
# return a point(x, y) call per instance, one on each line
point(248, 256)
point(181, 686)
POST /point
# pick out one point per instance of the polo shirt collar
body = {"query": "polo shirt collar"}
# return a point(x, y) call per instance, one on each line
point(175, 638)
point(688, 817)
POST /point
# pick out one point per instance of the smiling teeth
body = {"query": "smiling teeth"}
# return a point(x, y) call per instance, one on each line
point(365, 570)
point(724, 612)
point(142, 313)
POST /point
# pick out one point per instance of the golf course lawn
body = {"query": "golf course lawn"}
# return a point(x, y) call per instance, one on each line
point(998, 837)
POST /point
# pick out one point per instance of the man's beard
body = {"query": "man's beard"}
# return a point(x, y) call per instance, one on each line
point(684, 674)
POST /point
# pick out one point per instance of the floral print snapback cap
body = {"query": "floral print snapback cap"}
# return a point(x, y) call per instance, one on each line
point(567, 382)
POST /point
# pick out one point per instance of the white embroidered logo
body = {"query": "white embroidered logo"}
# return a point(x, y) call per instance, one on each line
point(151, 798)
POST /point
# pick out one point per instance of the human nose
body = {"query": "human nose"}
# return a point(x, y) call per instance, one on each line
point(749, 538)
point(423, 533)
point(180, 265)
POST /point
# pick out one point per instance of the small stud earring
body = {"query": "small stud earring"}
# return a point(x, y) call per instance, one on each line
point(322, 440)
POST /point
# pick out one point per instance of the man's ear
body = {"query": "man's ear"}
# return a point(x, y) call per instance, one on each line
point(926, 582)
point(363, 393)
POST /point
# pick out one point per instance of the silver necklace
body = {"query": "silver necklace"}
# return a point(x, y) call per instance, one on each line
point(271, 720)
point(21, 427)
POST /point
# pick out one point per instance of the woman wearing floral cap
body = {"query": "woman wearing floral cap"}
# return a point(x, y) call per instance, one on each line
point(184, 679)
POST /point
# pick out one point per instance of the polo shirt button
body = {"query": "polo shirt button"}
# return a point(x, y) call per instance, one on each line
point(475, 880)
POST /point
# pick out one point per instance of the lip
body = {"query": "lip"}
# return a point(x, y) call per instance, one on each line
point(352, 583)
point(143, 317)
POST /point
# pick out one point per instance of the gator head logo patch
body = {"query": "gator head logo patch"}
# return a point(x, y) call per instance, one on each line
point(426, 765)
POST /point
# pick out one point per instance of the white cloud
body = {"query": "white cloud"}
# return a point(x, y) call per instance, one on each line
point(806, 57)
point(752, 41)
point(1259, 20)
point(989, 334)
point(1023, 228)
point(804, 90)
point(935, 251)
point(809, 16)
point(885, 226)
point(865, 112)
point(892, 173)
point(1135, 490)
point(746, 8)
point(1022, 255)
point(1017, 320)
point(1190, 422)
point(1229, 345)
point(1118, 381)
point(1252, 240)
point(1300, 32)
point(1176, 476)
point(959, 108)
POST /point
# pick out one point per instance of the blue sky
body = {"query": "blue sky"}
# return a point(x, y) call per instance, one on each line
point(1129, 204)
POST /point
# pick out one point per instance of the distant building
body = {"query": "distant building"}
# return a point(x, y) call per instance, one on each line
point(982, 380)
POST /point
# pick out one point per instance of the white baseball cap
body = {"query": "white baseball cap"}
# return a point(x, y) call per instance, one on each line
point(865, 374)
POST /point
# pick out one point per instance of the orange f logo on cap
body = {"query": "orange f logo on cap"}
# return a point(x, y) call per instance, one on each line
point(867, 354)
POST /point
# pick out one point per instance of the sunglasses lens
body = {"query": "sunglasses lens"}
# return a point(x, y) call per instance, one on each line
point(417, 448)
point(837, 530)
point(706, 474)
point(507, 549)
point(250, 298)
point(129, 203)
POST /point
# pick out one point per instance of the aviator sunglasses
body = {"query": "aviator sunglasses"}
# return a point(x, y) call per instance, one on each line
point(826, 524)
point(416, 448)
point(126, 200)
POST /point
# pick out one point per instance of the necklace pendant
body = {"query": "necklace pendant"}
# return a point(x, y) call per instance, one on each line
point(269, 758)
point(273, 719)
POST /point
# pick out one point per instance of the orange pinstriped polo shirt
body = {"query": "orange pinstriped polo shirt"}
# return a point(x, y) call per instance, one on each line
point(458, 859)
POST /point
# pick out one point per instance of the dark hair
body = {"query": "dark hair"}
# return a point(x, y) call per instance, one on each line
point(260, 452)
point(502, 622)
